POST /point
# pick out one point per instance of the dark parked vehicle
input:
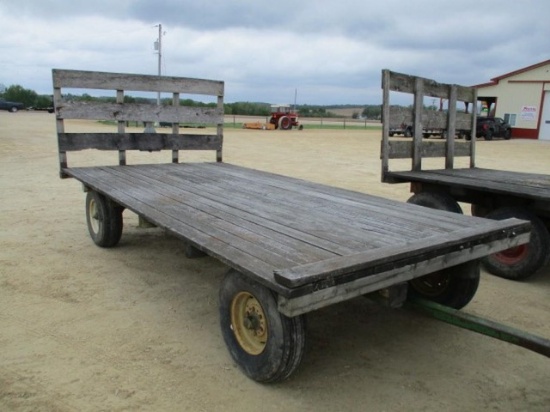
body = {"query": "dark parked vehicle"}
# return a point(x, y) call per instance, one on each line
point(404, 129)
point(11, 106)
point(489, 127)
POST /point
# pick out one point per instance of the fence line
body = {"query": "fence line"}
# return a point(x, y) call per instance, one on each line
point(320, 122)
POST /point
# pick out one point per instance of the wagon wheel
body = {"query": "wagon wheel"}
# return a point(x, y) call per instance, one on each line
point(436, 200)
point(453, 287)
point(104, 219)
point(521, 261)
point(480, 210)
point(266, 345)
point(285, 123)
point(489, 135)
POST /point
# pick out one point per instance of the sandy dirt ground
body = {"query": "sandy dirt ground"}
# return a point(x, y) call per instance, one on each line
point(136, 327)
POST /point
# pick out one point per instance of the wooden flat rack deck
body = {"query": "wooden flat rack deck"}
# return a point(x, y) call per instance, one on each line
point(312, 244)
point(497, 182)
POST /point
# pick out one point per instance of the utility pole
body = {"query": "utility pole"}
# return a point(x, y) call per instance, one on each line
point(158, 48)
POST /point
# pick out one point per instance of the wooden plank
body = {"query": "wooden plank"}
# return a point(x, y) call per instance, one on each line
point(401, 254)
point(405, 83)
point(418, 126)
point(399, 149)
point(451, 129)
point(501, 182)
point(139, 112)
point(228, 253)
point(137, 141)
point(351, 206)
point(244, 222)
point(313, 221)
point(311, 297)
point(81, 79)
point(431, 119)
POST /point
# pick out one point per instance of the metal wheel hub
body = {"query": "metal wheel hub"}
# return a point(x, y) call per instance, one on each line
point(513, 255)
point(94, 216)
point(249, 323)
point(431, 285)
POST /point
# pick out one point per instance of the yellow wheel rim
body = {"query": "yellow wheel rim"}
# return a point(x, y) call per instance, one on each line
point(94, 215)
point(249, 323)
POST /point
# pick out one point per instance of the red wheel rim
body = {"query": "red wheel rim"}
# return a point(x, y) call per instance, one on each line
point(513, 255)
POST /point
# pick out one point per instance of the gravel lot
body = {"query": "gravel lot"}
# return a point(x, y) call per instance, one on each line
point(136, 327)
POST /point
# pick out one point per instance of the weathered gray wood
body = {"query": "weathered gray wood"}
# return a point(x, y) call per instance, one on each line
point(431, 119)
point(122, 112)
point(261, 227)
point(486, 181)
point(418, 126)
point(311, 298)
point(399, 149)
point(81, 79)
point(386, 121)
point(447, 123)
point(398, 255)
point(405, 83)
point(149, 114)
point(451, 128)
point(137, 141)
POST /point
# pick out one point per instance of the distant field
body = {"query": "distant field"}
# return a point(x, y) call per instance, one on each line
point(347, 112)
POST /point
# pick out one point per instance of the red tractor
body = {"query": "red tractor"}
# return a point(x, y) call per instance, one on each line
point(283, 117)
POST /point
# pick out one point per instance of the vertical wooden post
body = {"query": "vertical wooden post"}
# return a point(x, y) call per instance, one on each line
point(451, 128)
point(60, 129)
point(219, 157)
point(418, 109)
point(121, 128)
point(385, 122)
point(473, 132)
point(175, 126)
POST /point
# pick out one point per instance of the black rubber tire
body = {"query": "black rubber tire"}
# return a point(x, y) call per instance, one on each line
point(285, 123)
point(104, 219)
point(489, 135)
point(480, 210)
point(507, 134)
point(453, 287)
point(14, 109)
point(408, 132)
point(436, 200)
point(285, 343)
point(523, 261)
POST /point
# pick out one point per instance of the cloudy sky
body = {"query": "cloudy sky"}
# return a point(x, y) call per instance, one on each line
point(330, 52)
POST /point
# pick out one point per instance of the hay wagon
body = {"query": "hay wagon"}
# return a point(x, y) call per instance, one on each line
point(291, 246)
point(494, 194)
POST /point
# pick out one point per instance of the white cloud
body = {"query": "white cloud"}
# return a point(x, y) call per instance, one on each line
point(264, 52)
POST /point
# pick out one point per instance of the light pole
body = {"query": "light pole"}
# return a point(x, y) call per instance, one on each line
point(158, 48)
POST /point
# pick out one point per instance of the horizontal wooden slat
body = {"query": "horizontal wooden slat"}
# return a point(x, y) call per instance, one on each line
point(404, 149)
point(431, 119)
point(405, 83)
point(82, 79)
point(141, 112)
point(138, 141)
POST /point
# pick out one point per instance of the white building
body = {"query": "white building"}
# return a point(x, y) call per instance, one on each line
point(522, 98)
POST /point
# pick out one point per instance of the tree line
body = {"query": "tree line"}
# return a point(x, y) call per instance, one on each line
point(31, 99)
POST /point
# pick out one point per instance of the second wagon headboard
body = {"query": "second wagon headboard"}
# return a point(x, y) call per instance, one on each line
point(450, 122)
point(122, 112)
